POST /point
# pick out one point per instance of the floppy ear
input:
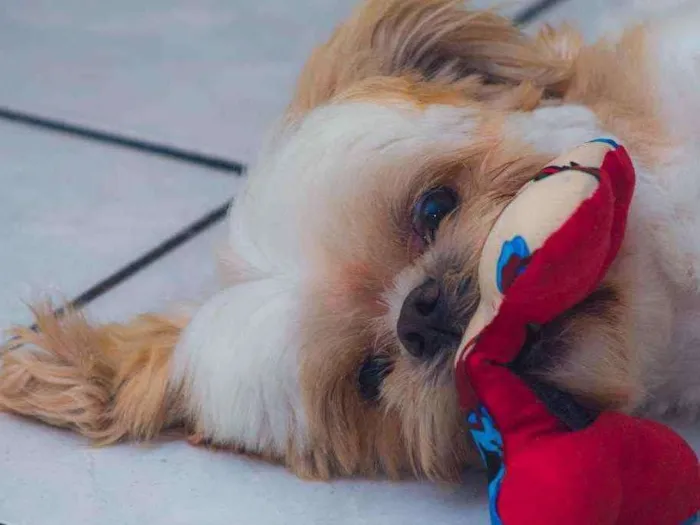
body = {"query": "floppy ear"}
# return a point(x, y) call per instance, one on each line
point(438, 40)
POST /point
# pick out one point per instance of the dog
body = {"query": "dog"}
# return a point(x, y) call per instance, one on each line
point(349, 269)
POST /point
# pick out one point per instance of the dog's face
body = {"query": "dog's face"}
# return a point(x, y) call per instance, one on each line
point(370, 214)
point(363, 224)
point(409, 191)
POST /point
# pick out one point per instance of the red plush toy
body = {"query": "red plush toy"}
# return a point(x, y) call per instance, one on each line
point(549, 249)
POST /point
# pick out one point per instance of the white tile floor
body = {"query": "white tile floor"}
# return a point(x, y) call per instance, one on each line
point(595, 18)
point(208, 76)
point(180, 279)
point(79, 211)
point(211, 75)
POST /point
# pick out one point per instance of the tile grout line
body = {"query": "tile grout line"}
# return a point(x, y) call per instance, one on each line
point(147, 259)
point(106, 137)
point(531, 12)
point(211, 218)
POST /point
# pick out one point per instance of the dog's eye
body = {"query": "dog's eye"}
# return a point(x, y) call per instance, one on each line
point(431, 209)
point(372, 374)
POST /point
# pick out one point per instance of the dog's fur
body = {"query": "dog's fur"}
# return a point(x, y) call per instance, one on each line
point(407, 95)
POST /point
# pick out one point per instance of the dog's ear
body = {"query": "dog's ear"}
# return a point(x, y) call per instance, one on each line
point(438, 40)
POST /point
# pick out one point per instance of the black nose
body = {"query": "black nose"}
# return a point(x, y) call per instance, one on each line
point(424, 327)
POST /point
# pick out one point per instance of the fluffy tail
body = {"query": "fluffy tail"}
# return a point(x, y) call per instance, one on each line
point(107, 382)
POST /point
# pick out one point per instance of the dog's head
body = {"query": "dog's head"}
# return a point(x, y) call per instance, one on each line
point(353, 250)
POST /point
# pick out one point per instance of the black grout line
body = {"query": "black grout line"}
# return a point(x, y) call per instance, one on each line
point(205, 161)
point(528, 14)
point(210, 219)
point(200, 225)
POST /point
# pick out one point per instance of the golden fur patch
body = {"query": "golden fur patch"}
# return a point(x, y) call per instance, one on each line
point(106, 382)
point(439, 40)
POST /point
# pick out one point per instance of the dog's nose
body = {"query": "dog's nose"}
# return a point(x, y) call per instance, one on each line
point(424, 326)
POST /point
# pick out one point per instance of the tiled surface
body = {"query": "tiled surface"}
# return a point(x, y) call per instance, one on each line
point(597, 18)
point(77, 211)
point(204, 75)
point(181, 279)
point(505, 7)
point(211, 75)
point(176, 484)
point(51, 477)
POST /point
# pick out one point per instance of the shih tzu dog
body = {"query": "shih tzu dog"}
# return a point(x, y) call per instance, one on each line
point(350, 262)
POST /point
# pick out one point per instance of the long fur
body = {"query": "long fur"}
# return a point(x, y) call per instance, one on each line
point(109, 382)
point(406, 95)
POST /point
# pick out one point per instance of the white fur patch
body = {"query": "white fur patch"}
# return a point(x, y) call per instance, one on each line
point(674, 47)
point(556, 129)
point(238, 359)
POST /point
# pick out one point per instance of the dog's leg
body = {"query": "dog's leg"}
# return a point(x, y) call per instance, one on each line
point(106, 382)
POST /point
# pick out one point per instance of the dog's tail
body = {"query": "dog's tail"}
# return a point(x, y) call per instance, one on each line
point(107, 382)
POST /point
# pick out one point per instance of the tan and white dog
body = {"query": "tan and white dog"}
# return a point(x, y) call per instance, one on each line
point(352, 252)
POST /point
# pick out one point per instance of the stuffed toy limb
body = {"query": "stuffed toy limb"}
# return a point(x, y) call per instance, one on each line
point(549, 249)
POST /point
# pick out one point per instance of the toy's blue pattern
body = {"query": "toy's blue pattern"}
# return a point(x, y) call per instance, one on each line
point(607, 141)
point(516, 247)
point(693, 520)
point(489, 443)
point(484, 432)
